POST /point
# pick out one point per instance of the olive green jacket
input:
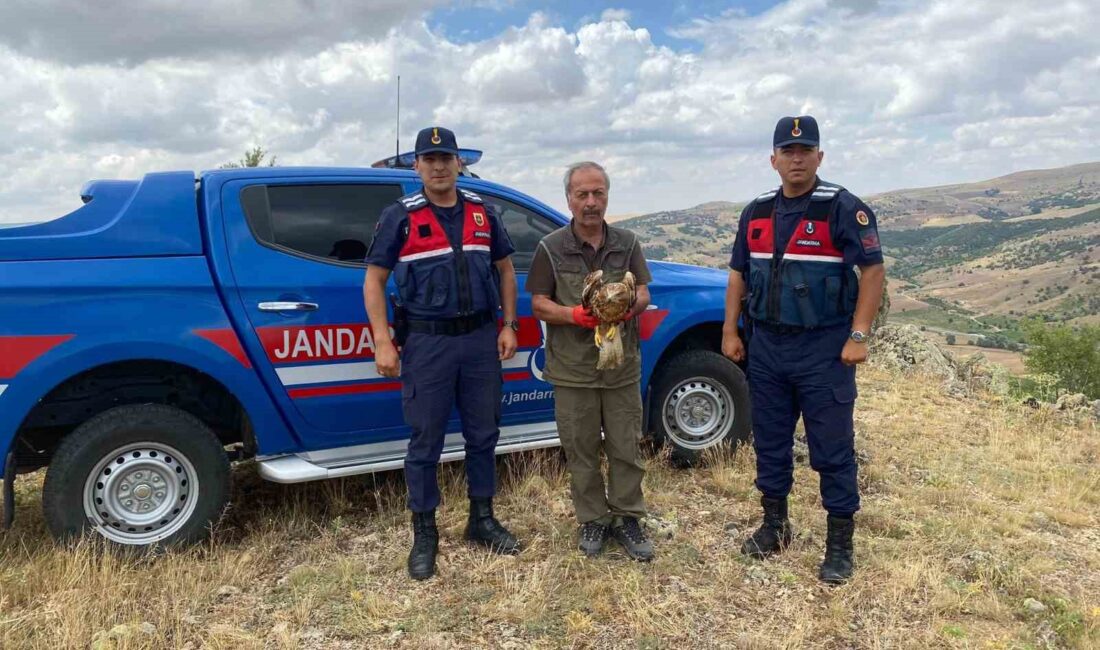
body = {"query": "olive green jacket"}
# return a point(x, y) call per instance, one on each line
point(571, 352)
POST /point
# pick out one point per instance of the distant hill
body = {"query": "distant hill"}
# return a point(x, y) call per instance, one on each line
point(1052, 192)
point(977, 256)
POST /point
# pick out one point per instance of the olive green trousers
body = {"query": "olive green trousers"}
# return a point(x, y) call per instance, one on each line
point(582, 413)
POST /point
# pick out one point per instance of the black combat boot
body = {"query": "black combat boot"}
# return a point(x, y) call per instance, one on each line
point(485, 530)
point(837, 567)
point(774, 535)
point(425, 545)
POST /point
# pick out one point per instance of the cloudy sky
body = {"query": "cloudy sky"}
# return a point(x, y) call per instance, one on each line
point(677, 99)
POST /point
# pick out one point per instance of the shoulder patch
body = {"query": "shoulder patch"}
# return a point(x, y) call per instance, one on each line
point(470, 196)
point(413, 201)
point(868, 239)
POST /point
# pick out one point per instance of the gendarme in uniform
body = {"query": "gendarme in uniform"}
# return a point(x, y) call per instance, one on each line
point(446, 259)
point(795, 252)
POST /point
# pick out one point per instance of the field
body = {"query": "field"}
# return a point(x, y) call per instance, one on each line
point(970, 509)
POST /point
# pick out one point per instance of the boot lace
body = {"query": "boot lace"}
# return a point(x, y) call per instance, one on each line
point(592, 531)
point(633, 531)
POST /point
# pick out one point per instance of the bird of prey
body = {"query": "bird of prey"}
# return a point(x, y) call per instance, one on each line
point(609, 302)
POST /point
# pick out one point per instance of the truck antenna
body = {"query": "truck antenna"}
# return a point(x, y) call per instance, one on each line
point(398, 152)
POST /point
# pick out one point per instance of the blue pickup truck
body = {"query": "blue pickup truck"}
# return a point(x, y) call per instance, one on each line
point(175, 323)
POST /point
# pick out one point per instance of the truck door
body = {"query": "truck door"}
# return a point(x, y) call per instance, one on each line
point(527, 398)
point(296, 249)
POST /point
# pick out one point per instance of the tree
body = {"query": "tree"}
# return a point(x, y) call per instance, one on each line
point(950, 338)
point(252, 158)
point(1072, 354)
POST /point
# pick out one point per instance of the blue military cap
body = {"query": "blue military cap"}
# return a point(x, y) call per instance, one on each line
point(436, 138)
point(796, 130)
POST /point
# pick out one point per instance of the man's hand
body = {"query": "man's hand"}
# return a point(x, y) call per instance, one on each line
point(853, 353)
point(385, 356)
point(584, 318)
point(506, 343)
point(733, 347)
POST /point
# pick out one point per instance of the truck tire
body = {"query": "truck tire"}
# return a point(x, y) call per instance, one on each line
point(700, 399)
point(140, 475)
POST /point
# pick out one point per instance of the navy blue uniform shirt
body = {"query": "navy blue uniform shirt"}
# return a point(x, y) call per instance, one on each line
point(393, 229)
point(859, 243)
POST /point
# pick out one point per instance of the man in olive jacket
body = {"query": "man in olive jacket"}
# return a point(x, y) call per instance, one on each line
point(586, 400)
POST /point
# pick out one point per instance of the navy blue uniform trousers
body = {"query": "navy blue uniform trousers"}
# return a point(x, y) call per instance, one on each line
point(437, 373)
point(801, 374)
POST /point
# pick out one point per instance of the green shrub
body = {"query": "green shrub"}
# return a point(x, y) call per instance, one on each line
point(1072, 354)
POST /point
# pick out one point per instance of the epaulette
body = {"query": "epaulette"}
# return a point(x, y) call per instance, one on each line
point(826, 192)
point(413, 201)
point(470, 196)
point(767, 196)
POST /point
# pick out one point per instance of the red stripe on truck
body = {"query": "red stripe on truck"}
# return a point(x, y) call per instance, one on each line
point(649, 321)
point(352, 389)
point(227, 340)
point(17, 352)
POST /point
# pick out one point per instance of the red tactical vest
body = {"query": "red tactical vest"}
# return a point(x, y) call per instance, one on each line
point(438, 278)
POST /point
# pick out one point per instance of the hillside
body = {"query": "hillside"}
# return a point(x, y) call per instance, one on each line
point(1046, 267)
point(980, 528)
point(700, 235)
point(1064, 191)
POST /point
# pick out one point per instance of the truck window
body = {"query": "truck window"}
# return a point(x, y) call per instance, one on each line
point(329, 222)
point(525, 227)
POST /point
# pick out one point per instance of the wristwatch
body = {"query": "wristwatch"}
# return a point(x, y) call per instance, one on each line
point(514, 324)
point(858, 336)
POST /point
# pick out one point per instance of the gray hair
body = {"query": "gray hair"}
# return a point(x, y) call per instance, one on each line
point(587, 164)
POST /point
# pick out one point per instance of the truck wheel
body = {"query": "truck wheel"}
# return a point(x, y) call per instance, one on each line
point(700, 400)
point(138, 475)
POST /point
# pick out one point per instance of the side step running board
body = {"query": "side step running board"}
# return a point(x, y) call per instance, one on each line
point(365, 459)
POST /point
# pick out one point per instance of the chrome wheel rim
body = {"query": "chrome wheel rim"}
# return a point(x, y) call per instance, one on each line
point(141, 493)
point(698, 413)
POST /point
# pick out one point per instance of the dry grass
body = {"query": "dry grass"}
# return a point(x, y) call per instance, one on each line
point(969, 508)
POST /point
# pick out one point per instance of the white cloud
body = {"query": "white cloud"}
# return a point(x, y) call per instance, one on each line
point(907, 92)
point(615, 14)
point(534, 64)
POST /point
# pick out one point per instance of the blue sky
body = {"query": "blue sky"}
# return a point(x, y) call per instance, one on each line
point(477, 20)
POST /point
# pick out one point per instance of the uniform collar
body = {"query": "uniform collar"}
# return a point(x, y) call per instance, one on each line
point(807, 193)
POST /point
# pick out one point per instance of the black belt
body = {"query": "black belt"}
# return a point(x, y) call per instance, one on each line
point(779, 328)
point(451, 326)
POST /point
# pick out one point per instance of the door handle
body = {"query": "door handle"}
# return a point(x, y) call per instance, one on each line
point(288, 306)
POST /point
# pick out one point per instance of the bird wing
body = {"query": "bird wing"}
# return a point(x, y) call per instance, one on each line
point(632, 289)
point(592, 283)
